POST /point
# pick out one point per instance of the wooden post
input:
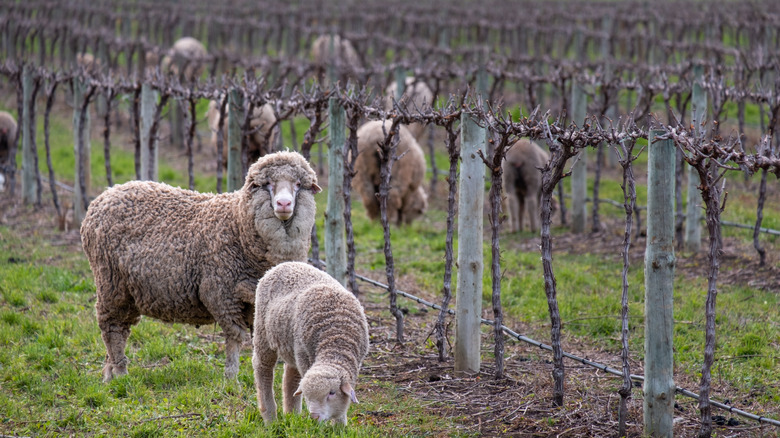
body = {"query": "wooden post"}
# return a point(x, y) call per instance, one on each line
point(471, 190)
point(29, 182)
point(235, 169)
point(579, 182)
point(335, 241)
point(148, 144)
point(659, 385)
point(693, 207)
point(82, 151)
point(400, 83)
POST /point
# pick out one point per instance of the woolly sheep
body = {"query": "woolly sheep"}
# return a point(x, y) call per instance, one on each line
point(186, 50)
point(522, 182)
point(406, 198)
point(182, 256)
point(260, 143)
point(88, 61)
point(319, 329)
point(417, 95)
point(345, 56)
point(7, 138)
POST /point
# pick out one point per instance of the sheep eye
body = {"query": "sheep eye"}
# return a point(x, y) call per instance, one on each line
point(332, 392)
point(269, 187)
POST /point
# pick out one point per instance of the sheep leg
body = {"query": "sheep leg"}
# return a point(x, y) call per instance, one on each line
point(263, 362)
point(233, 341)
point(532, 204)
point(115, 338)
point(515, 219)
point(290, 382)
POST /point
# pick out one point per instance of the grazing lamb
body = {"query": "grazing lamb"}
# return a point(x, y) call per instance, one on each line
point(185, 51)
point(260, 142)
point(522, 181)
point(342, 56)
point(319, 330)
point(7, 138)
point(182, 256)
point(417, 96)
point(406, 199)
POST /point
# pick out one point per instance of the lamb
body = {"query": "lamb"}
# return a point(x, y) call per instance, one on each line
point(523, 182)
point(182, 256)
point(187, 51)
point(7, 138)
point(407, 199)
point(342, 56)
point(261, 139)
point(319, 330)
point(417, 95)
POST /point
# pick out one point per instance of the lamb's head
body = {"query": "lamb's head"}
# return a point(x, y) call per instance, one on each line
point(328, 393)
point(281, 175)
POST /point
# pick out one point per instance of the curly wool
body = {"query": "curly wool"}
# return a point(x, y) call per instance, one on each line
point(181, 256)
point(407, 198)
point(318, 328)
point(417, 96)
point(522, 182)
point(260, 141)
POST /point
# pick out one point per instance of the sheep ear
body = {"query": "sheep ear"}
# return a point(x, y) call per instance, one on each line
point(346, 388)
point(315, 188)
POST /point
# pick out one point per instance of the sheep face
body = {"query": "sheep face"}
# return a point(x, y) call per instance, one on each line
point(414, 205)
point(327, 396)
point(283, 194)
point(275, 188)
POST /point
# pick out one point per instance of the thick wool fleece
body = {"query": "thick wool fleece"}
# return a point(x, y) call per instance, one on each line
point(189, 51)
point(182, 256)
point(343, 55)
point(407, 198)
point(260, 142)
point(7, 137)
point(417, 96)
point(522, 182)
point(319, 329)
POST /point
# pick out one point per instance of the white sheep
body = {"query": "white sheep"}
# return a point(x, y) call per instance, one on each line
point(417, 97)
point(7, 137)
point(260, 141)
point(406, 198)
point(522, 182)
point(319, 329)
point(337, 52)
point(181, 256)
point(185, 51)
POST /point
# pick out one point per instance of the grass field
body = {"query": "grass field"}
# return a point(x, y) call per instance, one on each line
point(52, 353)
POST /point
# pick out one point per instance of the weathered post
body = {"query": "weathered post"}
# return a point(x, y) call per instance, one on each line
point(335, 247)
point(235, 168)
point(470, 261)
point(693, 208)
point(400, 83)
point(659, 385)
point(82, 150)
point(29, 182)
point(579, 183)
point(148, 144)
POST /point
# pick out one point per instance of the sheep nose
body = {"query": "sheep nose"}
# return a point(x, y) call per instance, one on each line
point(284, 204)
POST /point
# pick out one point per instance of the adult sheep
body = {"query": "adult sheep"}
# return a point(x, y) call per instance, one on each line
point(261, 124)
point(417, 96)
point(187, 52)
point(319, 329)
point(333, 50)
point(522, 180)
point(7, 138)
point(406, 198)
point(182, 256)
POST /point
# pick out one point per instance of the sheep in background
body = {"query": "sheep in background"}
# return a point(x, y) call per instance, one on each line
point(417, 96)
point(343, 56)
point(319, 329)
point(522, 182)
point(185, 51)
point(407, 198)
point(182, 256)
point(262, 139)
point(88, 62)
point(7, 138)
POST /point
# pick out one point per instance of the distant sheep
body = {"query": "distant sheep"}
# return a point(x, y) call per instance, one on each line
point(262, 139)
point(343, 56)
point(319, 329)
point(7, 138)
point(407, 199)
point(417, 96)
point(522, 182)
point(182, 256)
point(185, 51)
point(88, 62)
